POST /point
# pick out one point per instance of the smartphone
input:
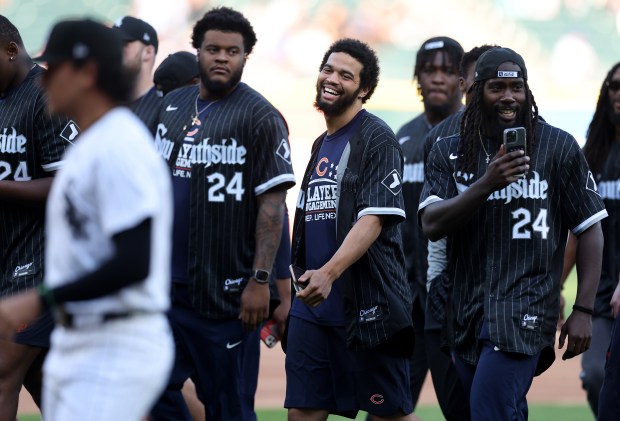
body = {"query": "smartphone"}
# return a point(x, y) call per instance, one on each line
point(296, 272)
point(514, 139)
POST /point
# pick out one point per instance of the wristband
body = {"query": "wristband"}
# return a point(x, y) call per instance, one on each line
point(46, 296)
point(583, 309)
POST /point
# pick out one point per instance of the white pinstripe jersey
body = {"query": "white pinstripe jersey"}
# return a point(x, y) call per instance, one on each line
point(506, 262)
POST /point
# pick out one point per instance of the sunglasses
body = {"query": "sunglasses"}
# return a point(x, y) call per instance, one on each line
point(614, 85)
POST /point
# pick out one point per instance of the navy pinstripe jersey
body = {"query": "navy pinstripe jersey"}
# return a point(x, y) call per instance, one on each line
point(437, 249)
point(411, 139)
point(32, 144)
point(147, 108)
point(505, 263)
point(241, 152)
point(377, 296)
point(608, 182)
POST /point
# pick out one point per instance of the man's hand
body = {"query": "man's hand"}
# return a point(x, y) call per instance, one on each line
point(17, 311)
point(503, 167)
point(615, 302)
point(280, 314)
point(254, 304)
point(578, 328)
point(562, 304)
point(319, 285)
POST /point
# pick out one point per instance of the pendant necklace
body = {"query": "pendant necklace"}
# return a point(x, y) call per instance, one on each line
point(488, 158)
point(195, 119)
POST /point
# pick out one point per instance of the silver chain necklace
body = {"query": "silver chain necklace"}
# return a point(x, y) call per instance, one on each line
point(488, 158)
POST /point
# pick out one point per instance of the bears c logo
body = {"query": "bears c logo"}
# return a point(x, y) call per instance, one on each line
point(377, 399)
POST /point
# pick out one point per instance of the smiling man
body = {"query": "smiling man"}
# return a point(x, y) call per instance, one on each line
point(350, 332)
point(437, 73)
point(507, 236)
point(227, 148)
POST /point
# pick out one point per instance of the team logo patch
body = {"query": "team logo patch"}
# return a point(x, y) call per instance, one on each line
point(70, 132)
point(377, 399)
point(393, 182)
point(529, 322)
point(284, 151)
point(591, 184)
point(24, 270)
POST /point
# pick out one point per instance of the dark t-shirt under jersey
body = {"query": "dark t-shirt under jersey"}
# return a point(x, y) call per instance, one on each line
point(320, 221)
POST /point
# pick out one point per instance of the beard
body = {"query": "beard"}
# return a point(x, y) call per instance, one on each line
point(496, 126)
point(614, 117)
point(337, 107)
point(220, 88)
point(440, 110)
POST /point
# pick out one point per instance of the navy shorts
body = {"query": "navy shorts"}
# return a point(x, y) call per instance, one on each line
point(609, 398)
point(37, 333)
point(321, 373)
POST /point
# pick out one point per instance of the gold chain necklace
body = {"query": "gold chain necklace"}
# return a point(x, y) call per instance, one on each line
point(488, 158)
point(195, 119)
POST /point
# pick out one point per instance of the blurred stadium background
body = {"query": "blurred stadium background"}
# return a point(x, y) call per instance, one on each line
point(568, 46)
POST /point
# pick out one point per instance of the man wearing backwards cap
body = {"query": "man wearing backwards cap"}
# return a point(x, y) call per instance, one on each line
point(108, 251)
point(139, 53)
point(507, 235)
point(437, 73)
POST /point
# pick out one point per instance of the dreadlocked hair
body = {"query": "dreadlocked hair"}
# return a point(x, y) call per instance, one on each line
point(601, 132)
point(471, 126)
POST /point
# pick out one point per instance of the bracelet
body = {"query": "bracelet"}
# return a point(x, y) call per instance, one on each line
point(46, 296)
point(583, 309)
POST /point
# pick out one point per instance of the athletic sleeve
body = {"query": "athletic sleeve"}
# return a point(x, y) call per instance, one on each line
point(127, 190)
point(582, 206)
point(439, 181)
point(53, 136)
point(273, 166)
point(381, 185)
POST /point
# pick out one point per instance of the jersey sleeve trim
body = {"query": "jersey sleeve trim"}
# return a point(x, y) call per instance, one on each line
point(382, 211)
point(269, 184)
point(589, 222)
point(428, 201)
point(51, 167)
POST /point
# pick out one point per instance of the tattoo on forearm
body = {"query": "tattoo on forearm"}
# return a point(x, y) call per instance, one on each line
point(268, 228)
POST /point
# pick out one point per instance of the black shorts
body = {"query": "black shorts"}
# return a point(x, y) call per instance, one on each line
point(321, 373)
point(36, 333)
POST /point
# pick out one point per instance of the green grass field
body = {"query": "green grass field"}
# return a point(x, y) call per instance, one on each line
point(432, 413)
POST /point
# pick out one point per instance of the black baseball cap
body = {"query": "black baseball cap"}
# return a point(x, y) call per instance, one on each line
point(176, 70)
point(441, 43)
point(134, 29)
point(85, 39)
point(487, 64)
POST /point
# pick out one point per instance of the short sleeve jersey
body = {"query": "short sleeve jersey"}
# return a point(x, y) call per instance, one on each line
point(32, 144)
point(112, 181)
point(240, 153)
point(608, 183)
point(147, 108)
point(508, 258)
point(411, 139)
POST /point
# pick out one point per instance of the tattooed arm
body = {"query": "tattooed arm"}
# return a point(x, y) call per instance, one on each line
point(255, 297)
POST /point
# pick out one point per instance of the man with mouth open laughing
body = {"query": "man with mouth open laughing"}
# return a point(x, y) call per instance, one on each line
point(350, 333)
point(507, 235)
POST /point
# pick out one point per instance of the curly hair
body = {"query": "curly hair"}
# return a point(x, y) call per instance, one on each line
point(601, 132)
point(8, 32)
point(224, 19)
point(360, 51)
point(471, 124)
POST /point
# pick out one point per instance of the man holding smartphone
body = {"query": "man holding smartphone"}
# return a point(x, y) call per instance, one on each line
point(507, 236)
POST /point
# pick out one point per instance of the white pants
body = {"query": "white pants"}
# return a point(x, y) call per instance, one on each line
point(112, 372)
